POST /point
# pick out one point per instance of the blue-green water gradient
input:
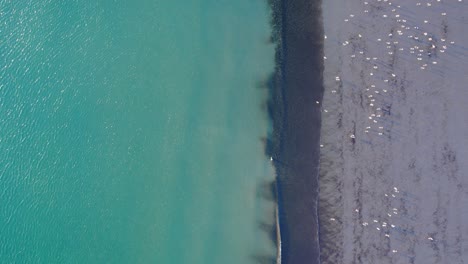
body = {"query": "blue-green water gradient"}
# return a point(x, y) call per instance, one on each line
point(130, 131)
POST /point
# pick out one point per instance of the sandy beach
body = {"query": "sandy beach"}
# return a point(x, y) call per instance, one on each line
point(394, 146)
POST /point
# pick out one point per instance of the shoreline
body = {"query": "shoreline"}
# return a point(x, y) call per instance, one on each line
point(278, 236)
point(294, 143)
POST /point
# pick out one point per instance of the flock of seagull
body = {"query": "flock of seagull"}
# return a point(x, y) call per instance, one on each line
point(411, 41)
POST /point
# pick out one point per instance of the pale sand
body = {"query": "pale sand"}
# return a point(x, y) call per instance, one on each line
point(394, 162)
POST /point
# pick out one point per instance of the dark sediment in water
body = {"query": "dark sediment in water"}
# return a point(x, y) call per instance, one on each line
point(294, 143)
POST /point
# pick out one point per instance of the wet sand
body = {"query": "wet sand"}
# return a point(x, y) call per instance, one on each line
point(294, 144)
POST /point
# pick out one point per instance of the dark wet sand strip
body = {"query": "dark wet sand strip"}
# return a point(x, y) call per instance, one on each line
point(294, 143)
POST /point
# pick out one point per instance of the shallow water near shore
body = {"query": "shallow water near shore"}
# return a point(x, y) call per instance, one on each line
point(131, 131)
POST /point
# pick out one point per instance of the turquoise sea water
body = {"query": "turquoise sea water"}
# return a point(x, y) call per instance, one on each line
point(130, 131)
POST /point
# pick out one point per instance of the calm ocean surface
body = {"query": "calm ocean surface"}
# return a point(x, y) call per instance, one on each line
point(130, 131)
